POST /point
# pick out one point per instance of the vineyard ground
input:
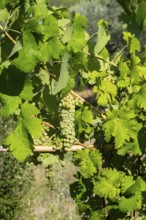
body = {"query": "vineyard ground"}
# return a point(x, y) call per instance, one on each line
point(45, 203)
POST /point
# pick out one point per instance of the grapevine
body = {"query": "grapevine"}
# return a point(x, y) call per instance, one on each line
point(42, 61)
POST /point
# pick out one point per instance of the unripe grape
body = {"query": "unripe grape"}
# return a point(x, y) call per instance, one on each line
point(44, 139)
point(66, 114)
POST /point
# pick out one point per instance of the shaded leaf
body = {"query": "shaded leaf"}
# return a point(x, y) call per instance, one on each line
point(30, 122)
point(27, 92)
point(16, 48)
point(64, 75)
point(75, 34)
point(141, 14)
point(27, 58)
point(47, 51)
point(87, 115)
point(102, 36)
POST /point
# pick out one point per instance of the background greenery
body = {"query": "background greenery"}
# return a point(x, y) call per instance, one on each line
point(22, 194)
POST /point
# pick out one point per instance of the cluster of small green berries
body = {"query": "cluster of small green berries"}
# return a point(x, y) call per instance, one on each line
point(67, 115)
point(44, 139)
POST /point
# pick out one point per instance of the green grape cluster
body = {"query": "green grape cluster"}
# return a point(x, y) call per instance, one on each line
point(44, 139)
point(66, 114)
point(49, 173)
point(67, 107)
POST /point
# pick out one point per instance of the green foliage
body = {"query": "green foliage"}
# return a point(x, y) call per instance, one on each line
point(26, 125)
point(64, 75)
point(122, 120)
point(102, 36)
point(45, 52)
point(27, 58)
point(96, 10)
point(89, 162)
point(9, 104)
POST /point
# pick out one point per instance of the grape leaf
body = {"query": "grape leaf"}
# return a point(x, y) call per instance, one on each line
point(131, 203)
point(50, 27)
point(108, 183)
point(41, 1)
point(16, 48)
point(27, 92)
point(88, 165)
point(27, 58)
point(132, 147)
point(138, 99)
point(50, 101)
point(135, 192)
point(33, 25)
point(3, 65)
point(83, 157)
point(40, 11)
point(142, 71)
point(137, 187)
point(30, 122)
point(87, 115)
point(95, 215)
point(141, 14)
point(4, 15)
point(44, 77)
point(64, 75)
point(141, 101)
point(18, 142)
point(75, 34)
point(70, 85)
point(135, 45)
point(46, 50)
point(87, 168)
point(67, 34)
point(106, 92)
point(96, 158)
point(132, 42)
point(9, 104)
point(126, 182)
point(3, 3)
point(123, 79)
point(102, 36)
point(121, 120)
point(105, 189)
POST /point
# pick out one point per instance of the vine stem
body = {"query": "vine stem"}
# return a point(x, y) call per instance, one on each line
point(48, 124)
point(47, 148)
point(7, 34)
point(73, 148)
point(85, 145)
point(120, 52)
point(100, 58)
point(89, 39)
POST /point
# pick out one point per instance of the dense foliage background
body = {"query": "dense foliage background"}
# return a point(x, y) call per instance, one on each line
point(36, 88)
